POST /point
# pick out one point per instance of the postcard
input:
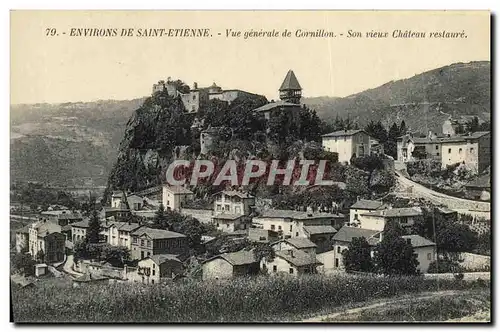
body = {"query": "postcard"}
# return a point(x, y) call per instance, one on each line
point(250, 166)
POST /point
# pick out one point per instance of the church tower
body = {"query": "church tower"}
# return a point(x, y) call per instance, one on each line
point(290, 90)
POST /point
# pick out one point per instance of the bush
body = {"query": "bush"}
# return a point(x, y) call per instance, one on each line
point(443, 266)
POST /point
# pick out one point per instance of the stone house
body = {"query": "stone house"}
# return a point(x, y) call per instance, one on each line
point(363, 206)
point(149, 241)
point(157, 267)
point(296, 243)
point(291, 261)
point(229, 265)
point(347, 144)
point(174, 196)
point(377, 220)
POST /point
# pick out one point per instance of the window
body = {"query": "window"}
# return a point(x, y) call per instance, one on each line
point(291, 228)
point(142, 243)
point(194, 97)
point(471, 150)
point(279, 228)
point(273, 227)
point(142, 254)
point(408, 241)
point(291, 270)
point(355, 216)
point(154, 271)
point(460, 151)
point(336, 262)
point(218, 207)
point(217, 224)
point(437, 147)
point(429, 256)
point(275, 268)
point(152, 280)
point(338, 249)
point(296, 233)
point(149, 254)
point(449, 150)
point(227, 207)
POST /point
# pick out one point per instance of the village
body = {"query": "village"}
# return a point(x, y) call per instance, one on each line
point(258, 237)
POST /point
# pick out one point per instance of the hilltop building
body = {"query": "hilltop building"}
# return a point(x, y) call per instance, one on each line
point(198, 97)
point(290, 93)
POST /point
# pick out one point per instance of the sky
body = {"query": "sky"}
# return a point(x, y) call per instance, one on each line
point(63, 68)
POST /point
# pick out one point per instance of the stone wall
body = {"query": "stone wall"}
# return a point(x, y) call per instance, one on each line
point(203, 215)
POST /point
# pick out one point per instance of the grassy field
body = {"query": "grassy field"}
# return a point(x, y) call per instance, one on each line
point(438, 307)
point(245, 299)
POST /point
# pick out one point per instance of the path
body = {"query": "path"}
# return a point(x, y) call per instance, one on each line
point(380, 303)
point(68, 267)
point(414, 189)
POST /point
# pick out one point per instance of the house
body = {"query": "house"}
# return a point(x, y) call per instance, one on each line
point(119, 212)
point(347, 144)
point(229, 265)
point(424, 249)
point(377, 220)
point(157, 267)
point(411, 148)
point(22, 239)
point(46, 242)
point(79, 230)
point(135, 202)
point(296, 243)
point(62, 217)
point(174, 196)
point(120, 233)
point(290, 223)
point(321, 236)
point(149, 241)
point(262, 235)
point(333, 259)
point(290, 261)
point(229, 222)
point(479, 188)
point(363, 206)
point(454, 126)
point(231, 201)
point(473, 150)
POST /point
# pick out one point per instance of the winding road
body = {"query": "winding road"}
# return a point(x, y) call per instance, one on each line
point(411, 189)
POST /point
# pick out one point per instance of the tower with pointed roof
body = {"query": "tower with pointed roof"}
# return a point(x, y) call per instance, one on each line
point(290, 90)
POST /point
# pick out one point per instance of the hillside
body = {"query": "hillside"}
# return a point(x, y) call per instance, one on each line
point(424, 101)
point(67, 144)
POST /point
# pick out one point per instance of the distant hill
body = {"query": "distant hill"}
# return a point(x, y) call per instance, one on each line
point(67, 144)
point(424, 101)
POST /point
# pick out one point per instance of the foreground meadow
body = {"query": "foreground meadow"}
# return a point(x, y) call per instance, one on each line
point(258, 299)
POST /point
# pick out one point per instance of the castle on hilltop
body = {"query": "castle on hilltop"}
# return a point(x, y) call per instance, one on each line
point(198, 97)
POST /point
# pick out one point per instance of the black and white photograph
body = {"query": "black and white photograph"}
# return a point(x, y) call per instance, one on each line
point(250, 166)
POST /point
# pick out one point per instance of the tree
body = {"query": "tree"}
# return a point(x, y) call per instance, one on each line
point(357, 257)
point(24, 263)
point(402, 128)
point(263, 250)
point(40, 256)
point(116, 256)
point(94, 228)
point(393, 255)
point(160, 220)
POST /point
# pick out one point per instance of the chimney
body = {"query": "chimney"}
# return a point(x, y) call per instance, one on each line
point(290, 252)
point(195, 86)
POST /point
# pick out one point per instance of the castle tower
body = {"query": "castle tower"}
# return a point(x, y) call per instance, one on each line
point(290, 90)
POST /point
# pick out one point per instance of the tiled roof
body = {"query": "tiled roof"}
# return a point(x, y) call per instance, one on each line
point(178, 190)
point(290, 82)
point(445, 210)
point(298, 258)
point(242, 257)
point(149, 191)
point(346, 233)
point(367, 204)
point(276, 104)
point(81, 224)
point(300, 242)
point(418, 241)
point(127, 227)
point(396, 212)
point(227, 216)
point(240, 194)
point(47, 228)
point(320, 229)
point(340, 133)
point(160, 259)
point(157, 233)
point(292, 214)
